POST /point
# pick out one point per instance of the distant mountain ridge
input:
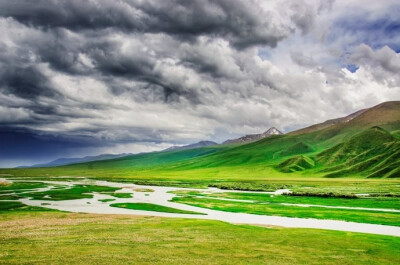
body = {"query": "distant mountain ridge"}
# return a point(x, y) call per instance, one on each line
point(383, 115)
point(191, 146)
point(244, 139)
point(254, 137)
point(328, 123)
point(74, 160)
point(363, 144)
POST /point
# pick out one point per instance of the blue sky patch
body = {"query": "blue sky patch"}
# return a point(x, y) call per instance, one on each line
point(352, 67)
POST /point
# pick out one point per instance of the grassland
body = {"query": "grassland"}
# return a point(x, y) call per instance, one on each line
point(150, 207)
point(255, 161)
point(336, 187)
point(67, 238)
point(119, 194)
point(364, 202)
point(320, 165)
point(264, 204)
point(373, 217)
point(7, 187)
point(367, 146)
point(73, 193)
point(106, 200)
point(9, 207)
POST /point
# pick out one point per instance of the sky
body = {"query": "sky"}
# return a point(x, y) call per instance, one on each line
point(126, 76)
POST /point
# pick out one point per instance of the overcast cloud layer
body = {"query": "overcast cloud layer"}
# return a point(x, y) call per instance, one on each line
point(88, 77)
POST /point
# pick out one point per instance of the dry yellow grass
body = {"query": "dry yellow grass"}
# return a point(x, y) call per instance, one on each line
point(69, 238)
point(4, 183)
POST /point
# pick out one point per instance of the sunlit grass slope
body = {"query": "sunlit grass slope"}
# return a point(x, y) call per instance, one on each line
point(69, 238)
point(366, 146)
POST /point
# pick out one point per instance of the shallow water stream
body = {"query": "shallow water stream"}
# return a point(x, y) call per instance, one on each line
point(162, 195)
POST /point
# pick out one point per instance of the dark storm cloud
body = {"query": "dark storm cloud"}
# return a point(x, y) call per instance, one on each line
point(242, 22)
point(29, 84)
point(70, 29)
point(112, 62)
point(203, 64)
point(59, 53)
point(137, 67)
point(303, 15)
point(25, 82)
point(29, 146)
point(134, 74)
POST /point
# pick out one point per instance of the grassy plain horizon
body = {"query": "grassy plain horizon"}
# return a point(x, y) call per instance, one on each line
point(111, 113)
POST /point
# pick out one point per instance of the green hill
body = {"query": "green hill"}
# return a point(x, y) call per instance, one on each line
point(370, 142)
point(297, 163)
point(385, 115)
point(366, 145)
point(298, 148)
point(149, 160)
point(275, 150)
point(373, 152)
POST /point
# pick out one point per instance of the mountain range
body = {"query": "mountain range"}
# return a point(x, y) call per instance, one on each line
point(365, 144)
point(328, 123)
point(191, 146)
point(254, 137)
point(74, 160)
point(68, 161)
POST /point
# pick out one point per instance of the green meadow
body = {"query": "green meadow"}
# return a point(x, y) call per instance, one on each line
point(366, 147)
point(348, 164)
point(360, 216)
point(49, 237)
point(150, 207)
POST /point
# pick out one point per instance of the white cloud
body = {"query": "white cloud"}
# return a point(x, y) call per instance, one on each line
point(178, 83)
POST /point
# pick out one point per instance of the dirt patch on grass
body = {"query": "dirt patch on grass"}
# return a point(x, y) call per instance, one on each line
point(4, 183)
point(61, 219)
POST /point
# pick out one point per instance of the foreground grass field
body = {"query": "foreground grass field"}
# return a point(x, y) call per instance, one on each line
point(353, 164)
point(66, 238)
point(345, 162)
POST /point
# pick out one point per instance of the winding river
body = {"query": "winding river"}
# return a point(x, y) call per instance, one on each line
point(161, 196)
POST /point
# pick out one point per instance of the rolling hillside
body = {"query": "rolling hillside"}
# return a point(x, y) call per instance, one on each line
point(372, 153)
point(274, 149)
point(328, 123)
point(367, 145)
